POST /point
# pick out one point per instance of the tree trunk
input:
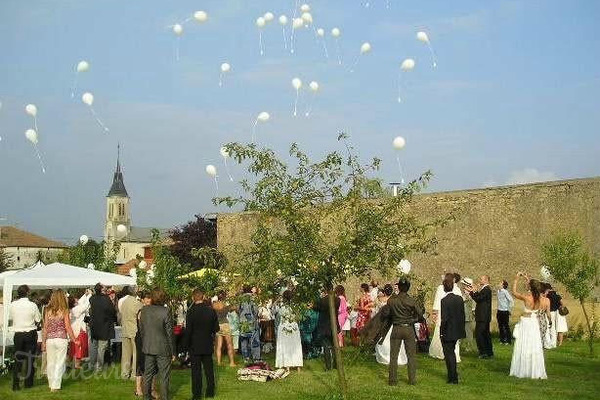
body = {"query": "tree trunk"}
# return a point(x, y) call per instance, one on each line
point(338, 352)
point(589, 326)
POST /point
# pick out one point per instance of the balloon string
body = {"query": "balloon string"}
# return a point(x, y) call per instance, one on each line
point(74, 87)
point(35, 123)
point(325, 48)
point(177, 49)
point(433, 56)
point(39, 156)
point(221, 79)
point(292, 41)
point(296, 102)
point(254, 130)
point(285, 46)
point(98, 120)
point(400, 169)
point(260, 43)
point(354, 64)
point(338, 51)
point(227, 169)
point(399, 87)
point(217, 185)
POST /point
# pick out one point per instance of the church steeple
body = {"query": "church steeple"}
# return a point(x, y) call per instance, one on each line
point(117, 188)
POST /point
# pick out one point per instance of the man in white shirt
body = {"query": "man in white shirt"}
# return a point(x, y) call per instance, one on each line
point(25, 316)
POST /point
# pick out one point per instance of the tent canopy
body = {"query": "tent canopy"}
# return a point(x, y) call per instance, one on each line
point(55, 275)
point(63, 276)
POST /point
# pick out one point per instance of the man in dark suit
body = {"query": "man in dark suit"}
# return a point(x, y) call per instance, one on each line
point(404, 312)
point(156, 331)
point(201, 325)
point(452, 326)
point(103, 317)
point(483, 317)
point(324, 327)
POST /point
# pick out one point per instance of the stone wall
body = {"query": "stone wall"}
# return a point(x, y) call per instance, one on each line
point(498, 231)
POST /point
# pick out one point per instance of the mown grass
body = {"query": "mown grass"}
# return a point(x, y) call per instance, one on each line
point(572, 374)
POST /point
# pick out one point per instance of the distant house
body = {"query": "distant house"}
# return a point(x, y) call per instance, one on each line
point(25, 248)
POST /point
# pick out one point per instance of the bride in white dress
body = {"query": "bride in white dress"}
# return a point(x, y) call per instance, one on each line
point(435, 349)
point(289, 346)
point(528, 353)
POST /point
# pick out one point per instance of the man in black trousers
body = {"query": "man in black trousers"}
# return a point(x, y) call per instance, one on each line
point(25, 317)
point(452, 326)
point(201, 325)
point(483, 317)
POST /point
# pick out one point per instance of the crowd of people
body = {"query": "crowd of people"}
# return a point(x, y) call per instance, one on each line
point(71, 328)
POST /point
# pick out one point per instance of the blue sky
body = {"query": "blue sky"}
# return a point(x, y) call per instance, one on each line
point(514, 97)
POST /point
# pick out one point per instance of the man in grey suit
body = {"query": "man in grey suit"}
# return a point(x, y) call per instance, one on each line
point(128, 310)
point(156, 330)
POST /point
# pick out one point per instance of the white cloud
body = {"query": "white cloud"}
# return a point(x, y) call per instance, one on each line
point(530, 175)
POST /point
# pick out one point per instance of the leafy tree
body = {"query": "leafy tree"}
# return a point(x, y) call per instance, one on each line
point(164, 273)
point(199, 233)
point(319, 223)
point(92, 252)
point(571, 264)
point(6, 260)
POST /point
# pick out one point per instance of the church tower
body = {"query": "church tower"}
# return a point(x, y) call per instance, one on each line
point(117, 206)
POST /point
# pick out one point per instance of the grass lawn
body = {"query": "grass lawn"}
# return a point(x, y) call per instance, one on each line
point(572, 374)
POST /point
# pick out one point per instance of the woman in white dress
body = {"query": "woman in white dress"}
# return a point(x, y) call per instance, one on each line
point(382, 351)
point(289, 345)
point(528, 353)
point(435, 349)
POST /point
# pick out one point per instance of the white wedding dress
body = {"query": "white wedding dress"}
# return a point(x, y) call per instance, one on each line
point(382, 351)
point(435, 348)
point(528, 353)
point(288, 352)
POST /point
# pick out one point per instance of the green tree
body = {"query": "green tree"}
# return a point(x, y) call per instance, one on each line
point(571, 264)
point(6, 260)
point(319, 223)
point(92, 252)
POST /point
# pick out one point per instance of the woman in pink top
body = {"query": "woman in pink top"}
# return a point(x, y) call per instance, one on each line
point(56, 330)
point(342, 312)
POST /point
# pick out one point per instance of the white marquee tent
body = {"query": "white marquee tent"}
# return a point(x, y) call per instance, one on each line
point(56, 275)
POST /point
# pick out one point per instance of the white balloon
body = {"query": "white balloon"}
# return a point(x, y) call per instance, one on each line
point(297, 23)
point(296, 83)
point(200, 16)
point(225, 67)
point(422, 36)
point(314, 86)
point(133, 273)
point(31, 135)
point(178, 29)
point(407, 64)
point(399, 143)
point(545, 273)
point(268, 16)
point(142, 265)
point(121, 228)
point(305, 8)
point(31, 109)
point(88, 98)
point(404, 266)
point(307, 18)
point(224, 152)
point(335, 32)
point(283, 20)
point(83, 239)
point(365, 48)
point(260, 22)
point(320, 32)
point(211, 170)
point(264, 116)
point(83, 66)
point(91, 266)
